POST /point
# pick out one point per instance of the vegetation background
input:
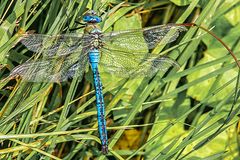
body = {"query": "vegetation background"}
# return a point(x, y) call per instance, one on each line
point(190, 113)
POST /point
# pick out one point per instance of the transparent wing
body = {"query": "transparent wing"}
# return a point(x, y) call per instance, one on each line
point(142, 39)
point(52, 45)
point(51, 70)
point(124, 64)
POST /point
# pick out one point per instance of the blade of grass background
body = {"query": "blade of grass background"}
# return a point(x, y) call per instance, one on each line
point(171, 123)
point(35, 16)
point(8, 26)
point(227, 120)
point(29, 102)
point(65, 111)
point(225, 7)
point(79, 11)
point(189, 71)
point(116, 16)
point(193, 136)
point(2, 7)
point(204, 122)
point(188, 51)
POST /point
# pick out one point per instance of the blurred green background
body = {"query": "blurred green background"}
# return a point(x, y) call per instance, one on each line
point(188, 113)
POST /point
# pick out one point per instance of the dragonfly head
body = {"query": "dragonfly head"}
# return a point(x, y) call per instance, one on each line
point(91, 17)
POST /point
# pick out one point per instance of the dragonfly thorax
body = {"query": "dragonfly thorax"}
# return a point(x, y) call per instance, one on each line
point(95, 39)
point(96, 44)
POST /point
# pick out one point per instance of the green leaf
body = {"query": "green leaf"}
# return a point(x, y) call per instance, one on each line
point(181, 2)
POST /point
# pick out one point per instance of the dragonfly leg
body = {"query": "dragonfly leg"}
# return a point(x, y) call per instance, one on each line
point(74, 29)
point(84, 24)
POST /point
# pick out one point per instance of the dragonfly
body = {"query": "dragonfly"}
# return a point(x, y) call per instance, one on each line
point(121, 53)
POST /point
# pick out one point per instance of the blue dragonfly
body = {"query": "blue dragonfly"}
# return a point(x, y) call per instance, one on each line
point(122, 53)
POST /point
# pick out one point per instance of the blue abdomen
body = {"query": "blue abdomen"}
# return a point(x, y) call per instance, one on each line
point(93, 60)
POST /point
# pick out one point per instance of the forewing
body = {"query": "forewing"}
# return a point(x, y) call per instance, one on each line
point(125, 64)
point(52, 69)
point(140, 39)
point(52, 45)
